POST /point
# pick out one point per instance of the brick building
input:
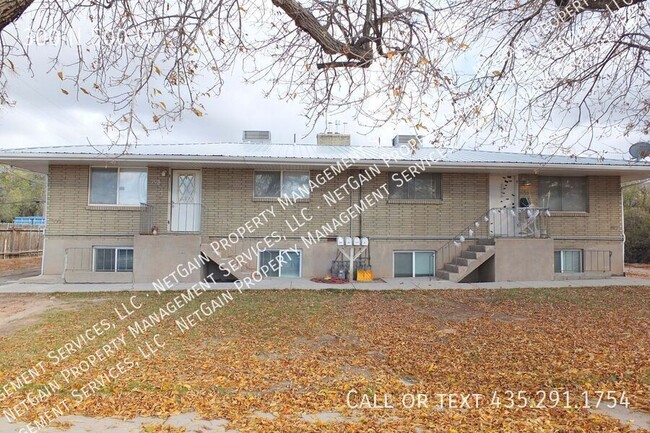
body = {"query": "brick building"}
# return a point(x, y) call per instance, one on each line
point(458, 215)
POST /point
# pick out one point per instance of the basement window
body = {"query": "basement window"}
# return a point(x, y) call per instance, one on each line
point(409, 264)
point(113, 259)
point(292, 184)
point(118, 186)
point(280, 263)
point(568, 261)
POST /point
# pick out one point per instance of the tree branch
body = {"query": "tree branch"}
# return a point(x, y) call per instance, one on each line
point(10, 11)
point(306, 21)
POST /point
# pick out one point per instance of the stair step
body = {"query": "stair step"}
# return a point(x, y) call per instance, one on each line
point(470, 254)
point(453, 268)
point(478, 248)
point(463, 261)
point(485, 241)
point(442, 274)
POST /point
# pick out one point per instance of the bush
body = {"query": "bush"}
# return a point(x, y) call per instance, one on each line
point(637, 225)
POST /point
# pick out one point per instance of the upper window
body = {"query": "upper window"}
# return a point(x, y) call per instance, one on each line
point(293, 184)
point(122, 186)
point(564, 193)
point(422, 187)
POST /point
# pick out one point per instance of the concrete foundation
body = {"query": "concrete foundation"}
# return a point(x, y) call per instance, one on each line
point(522, 260)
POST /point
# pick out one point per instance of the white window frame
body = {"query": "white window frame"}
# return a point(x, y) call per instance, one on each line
point(90, 173)
point(562, 271)
point(413, 262)
point(110, 247)
point(280, 251)
point(308, 172)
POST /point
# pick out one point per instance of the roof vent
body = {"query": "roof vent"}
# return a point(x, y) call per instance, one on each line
point(256, 137)
point(403, 140)
point(333, 139)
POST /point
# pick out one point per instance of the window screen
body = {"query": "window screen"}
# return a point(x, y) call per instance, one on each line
point(564, 193)
point(425, 186)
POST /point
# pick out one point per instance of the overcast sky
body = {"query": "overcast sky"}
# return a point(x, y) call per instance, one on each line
point(44, 116)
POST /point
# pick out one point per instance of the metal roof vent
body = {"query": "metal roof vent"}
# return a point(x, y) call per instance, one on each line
point(256, 137)
point(403, 140)
point(333, 139)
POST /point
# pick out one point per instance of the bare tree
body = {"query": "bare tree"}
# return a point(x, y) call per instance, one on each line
point(538, 73)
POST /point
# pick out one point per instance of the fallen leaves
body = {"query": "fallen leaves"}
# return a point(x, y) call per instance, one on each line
point(296, 354)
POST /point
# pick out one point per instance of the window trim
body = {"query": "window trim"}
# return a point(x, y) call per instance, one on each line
point(265, 198)
point(565, 212)
point(280, 250)
point(413, 262)
point(116, 205)
point(561, 251)
point(433, 200)
point(110, 247)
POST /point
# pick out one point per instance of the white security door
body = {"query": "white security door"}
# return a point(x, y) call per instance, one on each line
point(186, 201)
point(503, 205)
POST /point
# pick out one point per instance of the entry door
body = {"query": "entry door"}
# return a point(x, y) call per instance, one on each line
point(503, 205)
point(186, 201)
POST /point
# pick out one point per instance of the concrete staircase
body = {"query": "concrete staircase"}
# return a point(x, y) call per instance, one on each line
point(240, 273)
point(468, 261)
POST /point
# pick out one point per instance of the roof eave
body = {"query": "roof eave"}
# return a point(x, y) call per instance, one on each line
point(40, 161)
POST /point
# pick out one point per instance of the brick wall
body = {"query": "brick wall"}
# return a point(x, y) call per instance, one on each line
point(228, 202)
point(464, 199)
point(228, 195)
point(68, 211)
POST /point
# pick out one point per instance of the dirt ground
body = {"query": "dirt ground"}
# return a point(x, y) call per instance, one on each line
point(21, 310)
point(19, 264)
point(638, 270)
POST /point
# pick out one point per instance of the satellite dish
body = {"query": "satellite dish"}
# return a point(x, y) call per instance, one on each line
point(640, 150)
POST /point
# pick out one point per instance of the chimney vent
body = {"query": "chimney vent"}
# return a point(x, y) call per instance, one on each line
point(403, 140)
point(256, 137)
point(333, 139)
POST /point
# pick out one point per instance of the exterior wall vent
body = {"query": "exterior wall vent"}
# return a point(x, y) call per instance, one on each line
point(333, 139)
point(256, 137)
point(403, 140)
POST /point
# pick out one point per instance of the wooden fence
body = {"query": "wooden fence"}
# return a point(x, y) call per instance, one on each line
point(18, 240)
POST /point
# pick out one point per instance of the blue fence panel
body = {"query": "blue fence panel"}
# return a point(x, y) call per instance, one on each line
point(31, 221)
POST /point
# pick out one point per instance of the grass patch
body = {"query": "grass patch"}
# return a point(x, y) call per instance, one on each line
point(295, 352)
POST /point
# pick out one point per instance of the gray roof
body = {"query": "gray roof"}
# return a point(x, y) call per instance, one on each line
point(265, 153)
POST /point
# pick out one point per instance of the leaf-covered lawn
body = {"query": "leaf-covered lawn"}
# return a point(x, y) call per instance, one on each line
point(298, 353)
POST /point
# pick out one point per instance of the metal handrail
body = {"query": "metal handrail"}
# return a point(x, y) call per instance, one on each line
point(456, 243)
point(193, 225)
point(484, 227)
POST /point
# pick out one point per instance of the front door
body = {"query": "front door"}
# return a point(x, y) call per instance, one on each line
point(503, 205)
point(186, 201)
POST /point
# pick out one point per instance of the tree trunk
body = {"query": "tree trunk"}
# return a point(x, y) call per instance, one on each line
point(10, 10)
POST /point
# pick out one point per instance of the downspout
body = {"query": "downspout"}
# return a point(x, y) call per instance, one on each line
point(350, 196)
point(360, 213)
point(641, 182)
point(47, 192)
point(623, 229)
